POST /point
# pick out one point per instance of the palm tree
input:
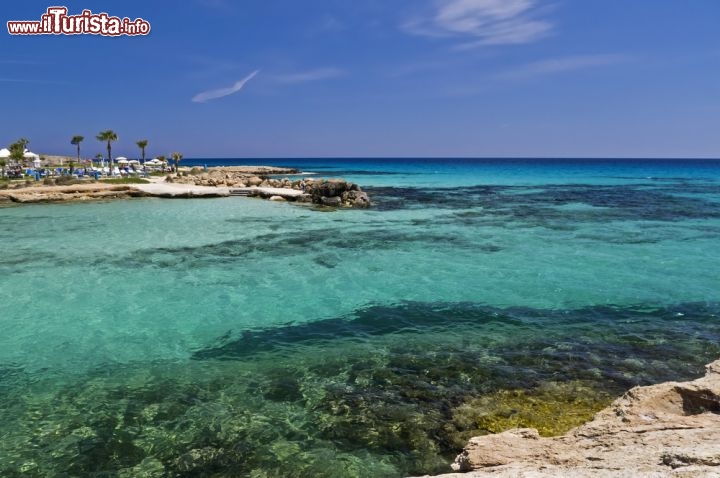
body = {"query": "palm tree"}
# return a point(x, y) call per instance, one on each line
point(23, 142)
point(109, 136)
point(76, 140)
point(20, 147)
point(176, 157)
point(17, 150)
point(142, 144)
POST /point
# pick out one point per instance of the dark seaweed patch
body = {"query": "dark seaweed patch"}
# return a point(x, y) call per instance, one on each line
point(635, 332)
point(366, 323)
point(278, 245)
point(526, 203)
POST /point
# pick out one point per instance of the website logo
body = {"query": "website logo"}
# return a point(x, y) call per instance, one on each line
point(57, 22)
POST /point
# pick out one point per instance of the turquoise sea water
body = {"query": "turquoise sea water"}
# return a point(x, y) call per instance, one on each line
point(239, 337)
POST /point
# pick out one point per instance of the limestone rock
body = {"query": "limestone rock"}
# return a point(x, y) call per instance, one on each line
point(356, 198)
point(670, 429)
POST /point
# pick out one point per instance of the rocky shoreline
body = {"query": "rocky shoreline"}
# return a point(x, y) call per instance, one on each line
point(670, 429)
point(326, 192)
point(71, 193)
point(196, 183)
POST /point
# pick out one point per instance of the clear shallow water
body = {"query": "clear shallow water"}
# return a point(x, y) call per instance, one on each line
point(230, 337)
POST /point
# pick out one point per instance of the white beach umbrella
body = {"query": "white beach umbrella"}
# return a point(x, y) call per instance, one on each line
point(4, 153)
point(122, 161)
point(133, 161)
point(30, 155)
point(121, 158)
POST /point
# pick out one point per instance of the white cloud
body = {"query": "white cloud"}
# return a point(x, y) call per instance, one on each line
point(311, 75)
point(482, 22)
point(222, 92)
point(564, 64)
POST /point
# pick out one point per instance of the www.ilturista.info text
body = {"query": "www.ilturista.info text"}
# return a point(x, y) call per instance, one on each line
point(57, 22)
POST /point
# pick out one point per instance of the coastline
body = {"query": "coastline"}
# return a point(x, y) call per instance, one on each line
point(253, 181)
point(669, 429)
point(69, 193)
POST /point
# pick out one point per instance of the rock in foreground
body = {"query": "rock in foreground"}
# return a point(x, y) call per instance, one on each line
point(671, 429)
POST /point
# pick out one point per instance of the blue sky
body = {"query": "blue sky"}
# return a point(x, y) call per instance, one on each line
point(289, 78)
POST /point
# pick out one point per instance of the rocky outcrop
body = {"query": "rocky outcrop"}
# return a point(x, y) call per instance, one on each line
point(671, 429)
point(237, 177)
point(330, 193)
point(232, 179)
point(356, 198)
point(337, 193)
